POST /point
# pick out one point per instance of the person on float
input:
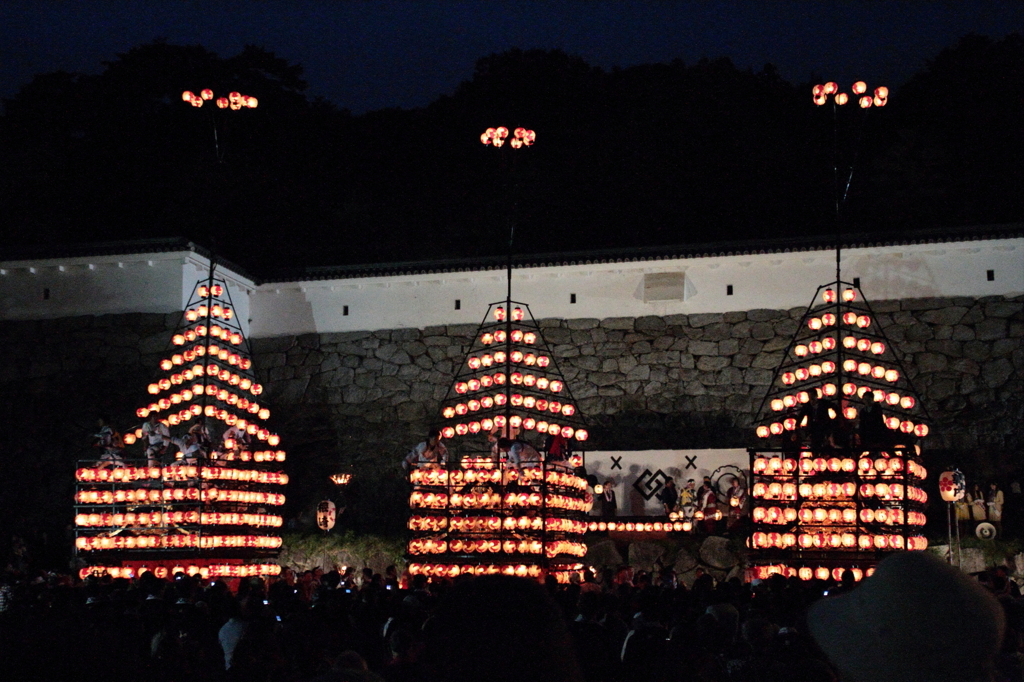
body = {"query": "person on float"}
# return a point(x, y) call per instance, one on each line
point(688, 500)
point(159, 438)
point(557, 450)
point(190, 451)
point(609, 504)
point(737, 501)
point(707, 503)
point(994, 502)
point(518, 455)
point(976, 499)
point(110, 443)
point(669, 496)
point(428, 453)
point(234, 439)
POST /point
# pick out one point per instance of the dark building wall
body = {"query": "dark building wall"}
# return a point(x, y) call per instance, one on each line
point(363, 398)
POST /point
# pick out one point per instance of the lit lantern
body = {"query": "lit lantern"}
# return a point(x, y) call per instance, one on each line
point(828, 319)
point(814, 323)
point(800, 350)
point(921, 430)
point(788, 378)
point(842, 98)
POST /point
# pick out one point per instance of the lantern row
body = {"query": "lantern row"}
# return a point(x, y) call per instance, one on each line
point(148, 519)
point(551, 549)
point(516, 400)
point(850, 389)
point(431, 500)
point(484, 524)
point(443, 477)
point(201, 330)
point(149, 495)
point(809, 573)
point(212, 570)
point(837, 491)
point(516, 379)
point(199, 351)
point(642, 527)
point(179, 473)
point(837, 541)
point(561, 572)
point(835, 515)
point(178, 541)
point(214, 372)
point(866, 466)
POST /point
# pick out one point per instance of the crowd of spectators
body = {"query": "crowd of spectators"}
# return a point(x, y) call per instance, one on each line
point(360, 626)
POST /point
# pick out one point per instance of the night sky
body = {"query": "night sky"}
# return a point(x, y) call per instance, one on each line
point(373, 55)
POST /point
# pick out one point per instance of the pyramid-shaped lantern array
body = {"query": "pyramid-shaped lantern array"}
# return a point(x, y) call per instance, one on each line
point(480, 513)
point(838, 470)
point(203, 495)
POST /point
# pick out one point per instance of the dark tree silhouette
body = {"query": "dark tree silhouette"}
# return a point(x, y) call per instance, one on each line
point(651, 155)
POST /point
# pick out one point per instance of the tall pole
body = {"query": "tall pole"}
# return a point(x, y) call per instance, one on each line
point(822, 94)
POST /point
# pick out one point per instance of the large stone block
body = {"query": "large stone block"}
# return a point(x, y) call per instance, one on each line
point(949, 316)
point(625, 323)
point(762, 331)
point(704, 319)
point(715, 552)
point(997, 372)
point(651, 324)
point(709, 363)
point(703, 347)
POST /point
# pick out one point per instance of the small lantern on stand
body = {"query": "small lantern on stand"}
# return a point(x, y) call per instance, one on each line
point(952, 488)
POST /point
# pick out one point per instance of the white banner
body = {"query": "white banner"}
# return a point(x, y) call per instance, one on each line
point(637, 476)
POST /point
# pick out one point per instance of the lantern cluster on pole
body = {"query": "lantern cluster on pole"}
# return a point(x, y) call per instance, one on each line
point(838, 478)
point(521, 137)
point(480, 514)
point(233, 101)
point(213, 512)
point(824, 92)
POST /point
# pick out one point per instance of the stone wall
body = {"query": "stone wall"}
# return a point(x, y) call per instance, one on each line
point(663, 382)
point(363, 398)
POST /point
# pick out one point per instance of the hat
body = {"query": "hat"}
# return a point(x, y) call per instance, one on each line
point(917, 618)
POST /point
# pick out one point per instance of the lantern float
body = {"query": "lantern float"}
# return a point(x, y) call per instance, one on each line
point(486, 514)
point(209, 512)
point(856, 440)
